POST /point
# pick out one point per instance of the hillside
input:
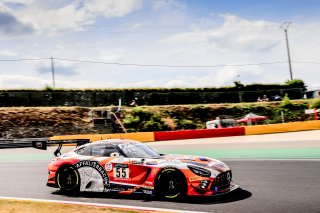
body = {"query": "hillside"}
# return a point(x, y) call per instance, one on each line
point(20, 122)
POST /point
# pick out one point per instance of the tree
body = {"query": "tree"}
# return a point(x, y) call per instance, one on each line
point(238, 85)
point(295, 83)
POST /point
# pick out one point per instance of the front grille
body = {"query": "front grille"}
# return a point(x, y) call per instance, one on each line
point(222, 179)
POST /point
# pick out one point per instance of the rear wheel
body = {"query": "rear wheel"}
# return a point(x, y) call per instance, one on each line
point(68, 179)
point(171, 184)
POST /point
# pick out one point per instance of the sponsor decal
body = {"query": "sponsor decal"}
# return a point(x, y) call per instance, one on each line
point(147, 191)
point(217, 168)
point(121, 160)
point(80, 150)
point(93, 165)
point(135, 162)
point(127, 145)
point(121, 189)
point(66, 155)
point(108, 167)
point(121, 165)
point(152, 163)
point(149, 183)
point(203, 159)
point(148, 187)
point(217, 164)
point(163, 161)
point(121, 171)
point(194, 179)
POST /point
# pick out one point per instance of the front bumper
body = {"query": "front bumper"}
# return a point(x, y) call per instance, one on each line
point(52, 179)
point(213, 191)
point(225, 191)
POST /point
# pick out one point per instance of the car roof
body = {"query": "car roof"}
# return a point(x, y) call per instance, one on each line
point(115, 141)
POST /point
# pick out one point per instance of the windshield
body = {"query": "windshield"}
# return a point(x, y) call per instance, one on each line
point(138, 151)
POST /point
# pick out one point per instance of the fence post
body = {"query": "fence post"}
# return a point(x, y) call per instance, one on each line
point(282, 116)
point(240, 96)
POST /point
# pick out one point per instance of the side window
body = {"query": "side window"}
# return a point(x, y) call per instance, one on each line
point(108, 150)
point(86, 150)
point(96, 150)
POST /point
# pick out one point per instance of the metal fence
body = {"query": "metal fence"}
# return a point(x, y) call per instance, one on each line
point(106, 98)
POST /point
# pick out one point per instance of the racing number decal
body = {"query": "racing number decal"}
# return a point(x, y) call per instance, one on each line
point(121, 171)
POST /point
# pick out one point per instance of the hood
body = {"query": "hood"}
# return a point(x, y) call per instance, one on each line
point(205, 162)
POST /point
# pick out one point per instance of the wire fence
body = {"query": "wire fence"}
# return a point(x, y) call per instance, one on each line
point(142, 97)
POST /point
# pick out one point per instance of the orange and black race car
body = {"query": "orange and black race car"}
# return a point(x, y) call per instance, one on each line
point(126, 167)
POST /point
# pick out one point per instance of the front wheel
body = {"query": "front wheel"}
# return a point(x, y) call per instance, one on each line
point(171, 184)
point(68, 179)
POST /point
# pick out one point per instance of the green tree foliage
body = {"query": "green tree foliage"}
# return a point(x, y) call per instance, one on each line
point(297, 83)
point(315, 103)
point(151, 96)
point(185, 124)
point(48, 88)
point(286, 102)
point(238, 85)
point(142, 120)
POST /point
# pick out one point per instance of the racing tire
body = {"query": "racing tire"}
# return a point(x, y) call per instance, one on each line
point(171, 184)
point(68, 180)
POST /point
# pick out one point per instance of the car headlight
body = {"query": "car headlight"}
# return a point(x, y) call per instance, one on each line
point(200, 171)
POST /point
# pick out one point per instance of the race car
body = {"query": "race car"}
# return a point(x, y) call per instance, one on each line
point(127, 167)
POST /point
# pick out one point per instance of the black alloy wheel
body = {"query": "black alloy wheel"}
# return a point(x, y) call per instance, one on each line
point(171, 184)
point(68, 179)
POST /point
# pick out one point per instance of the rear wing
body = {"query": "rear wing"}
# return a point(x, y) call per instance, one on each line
point(44, 144)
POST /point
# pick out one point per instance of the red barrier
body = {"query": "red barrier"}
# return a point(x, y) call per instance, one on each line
point(199, 133)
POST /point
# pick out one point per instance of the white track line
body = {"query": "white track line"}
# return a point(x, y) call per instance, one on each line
point(223, 159)
point(25, 161)
point(101, 205)
point(269, 159)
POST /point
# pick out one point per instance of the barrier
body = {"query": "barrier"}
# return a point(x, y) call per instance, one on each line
point(285, 127)
point(200, 133)
point(139, 136)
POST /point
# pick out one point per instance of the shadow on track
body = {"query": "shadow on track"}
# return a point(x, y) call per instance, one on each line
point(237, 195)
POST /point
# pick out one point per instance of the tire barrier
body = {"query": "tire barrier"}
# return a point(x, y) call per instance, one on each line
point(200, 133)
point(285, 127)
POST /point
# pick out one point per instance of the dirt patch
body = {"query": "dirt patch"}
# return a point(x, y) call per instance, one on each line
point(43, 122)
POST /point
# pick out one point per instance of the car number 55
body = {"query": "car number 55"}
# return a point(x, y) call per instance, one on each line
point(121, 172)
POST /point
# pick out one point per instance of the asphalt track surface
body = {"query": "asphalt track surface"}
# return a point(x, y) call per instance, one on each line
point(267, 185)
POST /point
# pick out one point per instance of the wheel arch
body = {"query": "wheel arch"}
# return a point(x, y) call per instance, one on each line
point(63, 166)
point(170, 167)
point(66, 165)
point(156, 182)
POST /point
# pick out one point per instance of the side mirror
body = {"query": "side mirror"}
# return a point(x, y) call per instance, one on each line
point(114, 154)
